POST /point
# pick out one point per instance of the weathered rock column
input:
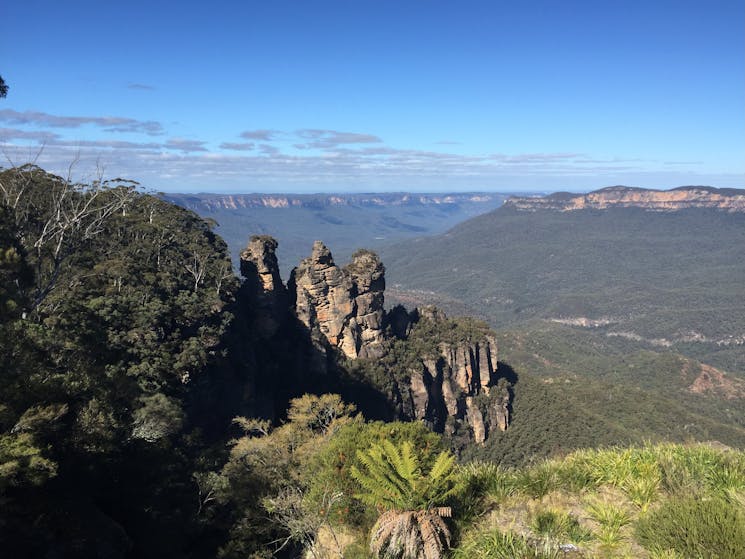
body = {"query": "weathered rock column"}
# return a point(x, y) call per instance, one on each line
point(345, 306)
point(268, 296)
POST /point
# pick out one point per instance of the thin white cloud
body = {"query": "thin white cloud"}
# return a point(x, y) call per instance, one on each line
point(239, 146)
point(262, 135)
point(108, 144)
point(327, 139)
point(534, 157)
point(345, 161)
point(107, 123)
point(185, 145)
point(268, 149)
point(7, 134)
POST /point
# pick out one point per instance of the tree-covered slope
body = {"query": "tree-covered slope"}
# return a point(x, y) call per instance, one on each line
point(668, 279)
point(113, 313)
point(129, 346)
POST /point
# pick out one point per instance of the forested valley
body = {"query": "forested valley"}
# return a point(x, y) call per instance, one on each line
point(152, 404)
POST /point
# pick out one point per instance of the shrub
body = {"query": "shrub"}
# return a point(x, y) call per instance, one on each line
point(496, 545)
point(538, 481)
point(558, 525)
point(611, 519)
point(694, 527)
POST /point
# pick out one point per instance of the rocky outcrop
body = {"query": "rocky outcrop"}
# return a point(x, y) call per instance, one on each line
point(366, 326)
point(344, 306)
point(444, 371)
point(725, 199)
point(267, 293)
point(459, 384)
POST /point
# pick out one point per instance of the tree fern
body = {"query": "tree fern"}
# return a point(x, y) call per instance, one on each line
point(410, 535)
point(392, 478)
point(404, 462)
point(383, 487)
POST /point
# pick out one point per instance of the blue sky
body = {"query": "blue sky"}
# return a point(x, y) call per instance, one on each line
point(366, 95)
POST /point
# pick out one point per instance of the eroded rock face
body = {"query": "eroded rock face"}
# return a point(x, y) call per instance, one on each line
point(447, 376)
point(344, 306)
point(366, 326)
point(726, 199)
point(460, 385)
point(268, 295)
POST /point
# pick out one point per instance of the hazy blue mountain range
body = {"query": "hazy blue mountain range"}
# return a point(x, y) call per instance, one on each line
point(345, 222)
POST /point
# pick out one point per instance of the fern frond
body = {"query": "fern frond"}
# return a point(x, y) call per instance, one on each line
point(443, 467)
point(380, 480)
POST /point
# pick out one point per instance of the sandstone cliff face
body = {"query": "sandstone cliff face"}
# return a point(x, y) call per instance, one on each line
point(201, 202)
point(460, 384)
point(730, 200)
point(449, 379)
point(345, 306)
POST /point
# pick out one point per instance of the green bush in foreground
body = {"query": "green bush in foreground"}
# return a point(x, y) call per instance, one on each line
point(558, 525)
point(665, 501)
point(695, 527)
point(392, 479)
point(497, 545)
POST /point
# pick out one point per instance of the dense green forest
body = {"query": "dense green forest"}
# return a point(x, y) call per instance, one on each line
point(143, 415)
point(659, 275)
point(115, 306)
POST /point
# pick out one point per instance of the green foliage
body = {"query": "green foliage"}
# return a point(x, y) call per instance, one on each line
point(15, 274)
point(392, 478)
point(113, 315)
point(554, 412)
point(609, 501)
point(331, 468)
point(273, 495)
point(157, 417)
point(558, 526)
point(611, 520)
point(488, 478)
point(318, 414)
point(708, 527)
point(657, 273)
point(22, 461)
point(495, 544)
point(669, 285)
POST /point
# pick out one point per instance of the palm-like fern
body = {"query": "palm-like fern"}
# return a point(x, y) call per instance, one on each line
point(392, 478)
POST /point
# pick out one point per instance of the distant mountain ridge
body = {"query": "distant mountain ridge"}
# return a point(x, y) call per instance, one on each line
point(344, 221)
point(727, 199)
point(212, 202)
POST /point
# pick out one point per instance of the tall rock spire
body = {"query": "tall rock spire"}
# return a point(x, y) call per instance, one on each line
point(345, 306)
point(268, 295)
